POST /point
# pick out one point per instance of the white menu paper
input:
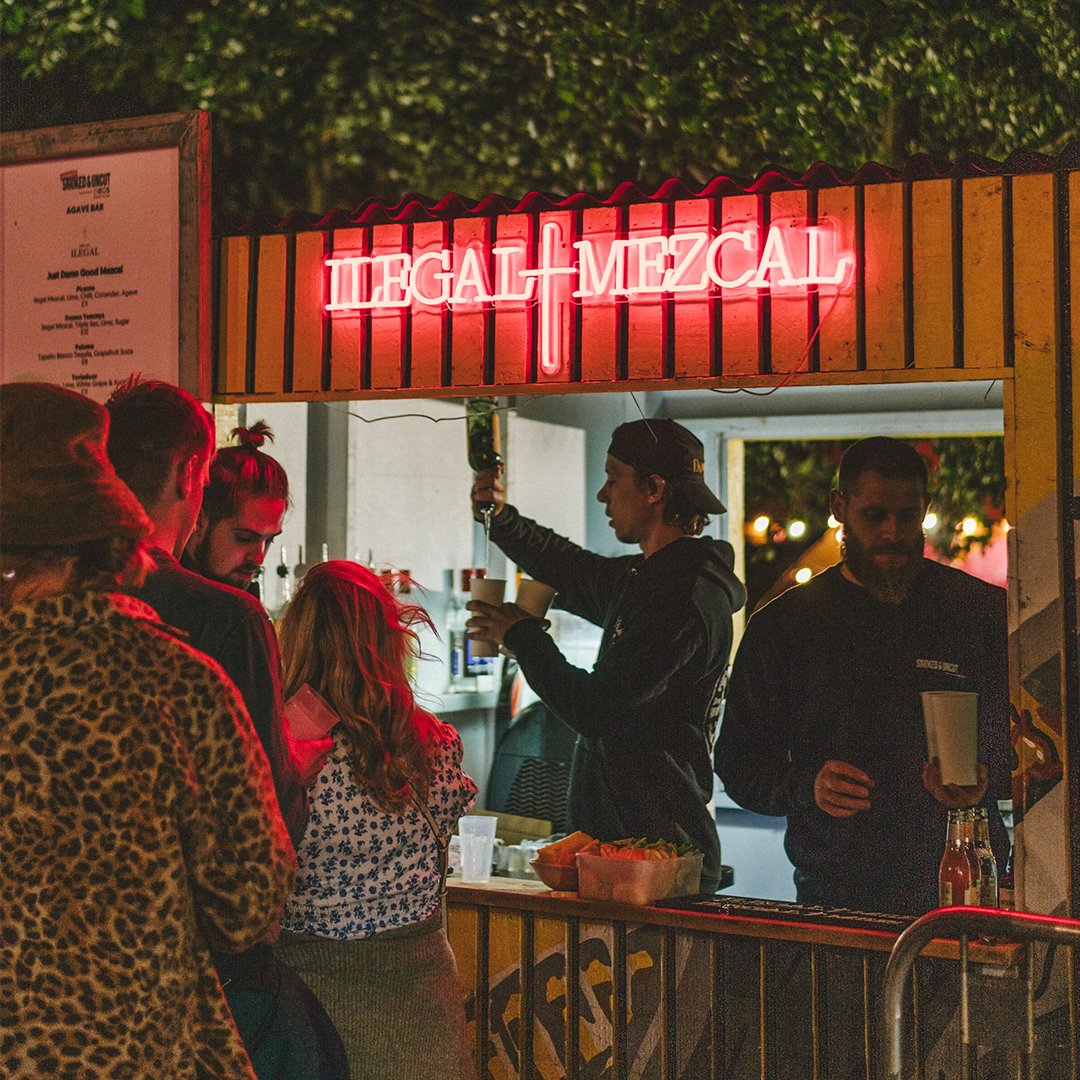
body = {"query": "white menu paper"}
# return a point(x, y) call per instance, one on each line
point(91, 270)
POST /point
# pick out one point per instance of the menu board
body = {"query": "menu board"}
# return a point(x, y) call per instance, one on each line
point(91, 269)
point(106, 267)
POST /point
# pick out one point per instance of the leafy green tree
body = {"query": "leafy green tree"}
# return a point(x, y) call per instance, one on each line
point(319, 103)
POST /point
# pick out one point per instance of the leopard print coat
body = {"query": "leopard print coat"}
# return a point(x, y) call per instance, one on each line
point(138, 829)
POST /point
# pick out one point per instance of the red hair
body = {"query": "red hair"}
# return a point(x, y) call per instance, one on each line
point(347, 636)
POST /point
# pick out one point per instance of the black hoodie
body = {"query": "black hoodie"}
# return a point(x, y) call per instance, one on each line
point(646, 714)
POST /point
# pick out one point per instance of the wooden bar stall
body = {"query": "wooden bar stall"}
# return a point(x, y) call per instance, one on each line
point(932, 274)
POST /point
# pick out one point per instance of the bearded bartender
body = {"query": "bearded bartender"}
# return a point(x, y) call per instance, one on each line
point(646, 714)
point(822, 721)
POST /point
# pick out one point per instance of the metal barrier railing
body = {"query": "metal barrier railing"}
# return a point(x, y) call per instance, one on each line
point(963, 923)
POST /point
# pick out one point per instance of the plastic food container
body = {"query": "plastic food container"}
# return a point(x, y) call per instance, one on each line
point(637, 881)
point(559, 878)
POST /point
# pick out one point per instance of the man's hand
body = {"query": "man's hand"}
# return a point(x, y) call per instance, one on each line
point(488, 490)
point(955, 796)
point(489, 622)
point(842, 790)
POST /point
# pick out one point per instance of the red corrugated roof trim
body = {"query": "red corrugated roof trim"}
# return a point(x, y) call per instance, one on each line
point(413, 207)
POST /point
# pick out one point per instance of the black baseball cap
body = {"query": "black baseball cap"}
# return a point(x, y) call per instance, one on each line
point(671, 451)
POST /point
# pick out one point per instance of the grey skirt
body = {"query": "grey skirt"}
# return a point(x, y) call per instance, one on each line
point(395, 999)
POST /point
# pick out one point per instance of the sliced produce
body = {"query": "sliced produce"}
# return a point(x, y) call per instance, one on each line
point(562, 852)
point(642, 850)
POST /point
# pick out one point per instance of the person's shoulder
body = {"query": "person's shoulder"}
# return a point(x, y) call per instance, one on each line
point(172, 584)
point(155, 647)
point(951, 583)
point(821, 587)
point(706, 567)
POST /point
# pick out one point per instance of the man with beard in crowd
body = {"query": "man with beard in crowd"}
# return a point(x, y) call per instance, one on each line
point(823, 720)
point(242, 512)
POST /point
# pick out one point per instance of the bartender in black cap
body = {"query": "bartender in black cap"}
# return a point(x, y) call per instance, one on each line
point(646, 714)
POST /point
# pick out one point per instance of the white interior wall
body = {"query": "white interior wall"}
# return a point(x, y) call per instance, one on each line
point(545, 475)
point(288, 422)
point(408, 487)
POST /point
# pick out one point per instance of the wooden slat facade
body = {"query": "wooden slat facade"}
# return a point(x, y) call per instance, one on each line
point(942, 284)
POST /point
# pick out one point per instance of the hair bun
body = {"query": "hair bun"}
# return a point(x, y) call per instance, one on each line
point(253, 437)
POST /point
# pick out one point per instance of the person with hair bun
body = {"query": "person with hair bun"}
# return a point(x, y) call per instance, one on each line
point(242, 512)
point(363, 926)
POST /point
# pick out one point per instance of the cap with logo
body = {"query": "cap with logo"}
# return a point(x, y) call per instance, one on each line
point(671, 451)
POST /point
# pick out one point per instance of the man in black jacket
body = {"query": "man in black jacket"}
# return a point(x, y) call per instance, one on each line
point(161, 443)
point(646, 714)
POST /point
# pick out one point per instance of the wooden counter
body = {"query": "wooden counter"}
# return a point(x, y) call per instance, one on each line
point(558, 986)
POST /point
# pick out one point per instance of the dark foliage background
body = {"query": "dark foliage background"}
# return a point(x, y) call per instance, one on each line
point(318, 104)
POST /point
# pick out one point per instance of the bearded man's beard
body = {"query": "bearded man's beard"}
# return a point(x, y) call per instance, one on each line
point(891, 585)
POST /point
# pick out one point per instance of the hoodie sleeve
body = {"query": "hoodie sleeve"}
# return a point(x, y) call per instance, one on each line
point(584, 580)
point(752, 754)
point(630, 676)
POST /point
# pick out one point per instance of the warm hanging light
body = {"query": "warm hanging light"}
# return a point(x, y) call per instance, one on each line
point(832, 522)
point(803, 574)
point(969, 526)
point(796, 529)
point(761, 523)
point(930, 521)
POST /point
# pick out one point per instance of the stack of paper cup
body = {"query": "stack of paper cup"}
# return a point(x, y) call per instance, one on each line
point(952, 733)
point(476, 834)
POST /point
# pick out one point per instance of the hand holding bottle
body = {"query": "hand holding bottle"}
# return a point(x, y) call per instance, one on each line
point(488, 493)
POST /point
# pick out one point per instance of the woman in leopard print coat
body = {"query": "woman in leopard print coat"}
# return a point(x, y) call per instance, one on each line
point(138, 826)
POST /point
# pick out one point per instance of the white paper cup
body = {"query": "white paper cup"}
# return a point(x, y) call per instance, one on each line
point(534, 597)
point(476, 837)
point(952, 733)
point(489, 591)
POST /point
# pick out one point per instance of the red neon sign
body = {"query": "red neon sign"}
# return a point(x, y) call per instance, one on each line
point(786, 258)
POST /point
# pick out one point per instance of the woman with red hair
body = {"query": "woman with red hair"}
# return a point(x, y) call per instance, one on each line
point(363, 926)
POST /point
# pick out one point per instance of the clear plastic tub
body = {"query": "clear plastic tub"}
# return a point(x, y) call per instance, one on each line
point(637, 881)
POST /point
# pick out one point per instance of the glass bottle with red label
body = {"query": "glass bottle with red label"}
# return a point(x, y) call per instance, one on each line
point(958, 874)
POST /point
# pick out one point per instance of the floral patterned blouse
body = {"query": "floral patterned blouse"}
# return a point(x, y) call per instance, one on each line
point(363, 870)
